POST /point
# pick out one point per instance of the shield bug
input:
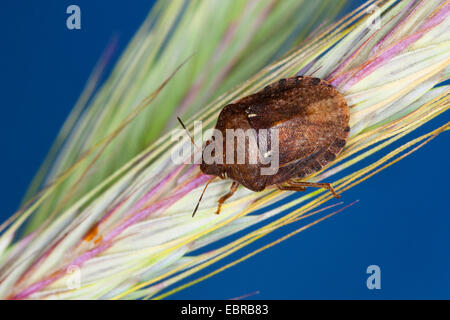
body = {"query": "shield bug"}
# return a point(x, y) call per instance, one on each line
point(311, 119)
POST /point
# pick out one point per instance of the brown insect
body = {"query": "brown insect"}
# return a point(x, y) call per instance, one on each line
point(312, 119)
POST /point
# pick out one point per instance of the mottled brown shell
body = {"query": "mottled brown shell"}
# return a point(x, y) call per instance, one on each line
point(313, 122)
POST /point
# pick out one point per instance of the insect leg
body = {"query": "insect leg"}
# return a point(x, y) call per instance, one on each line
point(224, 198)
point(315, 185)
point(290, 188)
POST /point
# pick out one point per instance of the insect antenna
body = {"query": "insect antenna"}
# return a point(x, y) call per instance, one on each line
point(201, 196)
point(189, 134)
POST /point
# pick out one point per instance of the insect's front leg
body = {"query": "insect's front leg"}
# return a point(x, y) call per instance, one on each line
point(224, 198)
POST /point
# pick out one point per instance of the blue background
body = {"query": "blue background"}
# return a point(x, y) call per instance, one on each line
point(401, 222)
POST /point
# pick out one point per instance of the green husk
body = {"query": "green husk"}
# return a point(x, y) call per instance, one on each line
point(227, 42)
